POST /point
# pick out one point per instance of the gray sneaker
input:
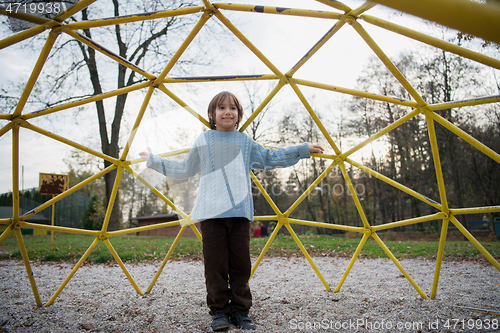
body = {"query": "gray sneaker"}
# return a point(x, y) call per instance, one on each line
point(243, 321)
point(220, 321)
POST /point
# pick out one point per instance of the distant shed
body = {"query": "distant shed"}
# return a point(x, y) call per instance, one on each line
point(142, 221)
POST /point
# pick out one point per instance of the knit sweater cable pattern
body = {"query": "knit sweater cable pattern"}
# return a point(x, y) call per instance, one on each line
point(225, 160)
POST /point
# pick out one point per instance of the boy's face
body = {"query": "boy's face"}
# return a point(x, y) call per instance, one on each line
point(226, 115)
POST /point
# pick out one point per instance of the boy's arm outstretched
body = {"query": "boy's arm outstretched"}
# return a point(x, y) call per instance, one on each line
point(178, 170)
point(266, 158)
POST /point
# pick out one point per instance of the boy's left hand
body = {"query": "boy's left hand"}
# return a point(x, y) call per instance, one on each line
point(316, 149)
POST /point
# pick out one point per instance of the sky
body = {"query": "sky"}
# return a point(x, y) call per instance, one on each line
point(282, 39)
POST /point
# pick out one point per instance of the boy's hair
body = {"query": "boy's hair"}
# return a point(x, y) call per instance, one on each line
point(216, 101)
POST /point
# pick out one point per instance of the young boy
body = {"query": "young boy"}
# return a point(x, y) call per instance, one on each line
point(224, 205)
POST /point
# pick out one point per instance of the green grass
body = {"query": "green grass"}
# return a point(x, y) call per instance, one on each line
point(337, 246)
point(138, 248)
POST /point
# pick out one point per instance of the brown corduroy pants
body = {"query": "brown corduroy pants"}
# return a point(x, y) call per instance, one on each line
point(226, 252)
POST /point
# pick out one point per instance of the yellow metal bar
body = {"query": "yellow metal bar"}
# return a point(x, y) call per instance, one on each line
point(352, 261)
point(73, 271)
point(265, 194)
point(468, 102)
point(266, 247)
point(354, 92)
point(394, 183)
point(145, 228)
point(42, 58)
point(68, 192)
point(310, 189)
point(61, 139)
point(87, 100)
point(28, 225)
point(138, 120)
point(155, 191)
point(262, 105)
point(401, 268)
point(228, 78)
point(201, 22)
point(99, 48)
point(436, 42)
point(122, 266)
point(415, 220)
point(208, 6)
point(6, 128)
point(278, 10)
point(482, 18)
point(20, 36)
point(164, 262)
point(266, 218)
point(172, 153)
point(361, 9)
point(52, 217)
point(247, 43)
point(478, 245)
point(381, 133)
point(437, 161)
point(133, 18)
point(336, 4)
point(475, 210)
point(27, 265)
point(5, 233)
point(184, 105)
point(439, 259)
point(354, 195)
point(308, 257)
point(73, 10)
point(387, 62)
point(327, 225)
point(15, 172)
point(315, 48)
point(112, 199)
point(315, 118)
point(468, 138)
point(196, 232)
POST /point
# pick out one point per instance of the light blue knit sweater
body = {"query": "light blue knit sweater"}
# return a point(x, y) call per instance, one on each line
point(225, 160)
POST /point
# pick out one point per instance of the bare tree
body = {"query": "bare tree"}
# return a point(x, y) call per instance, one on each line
point(439, 77)
point(148, 45)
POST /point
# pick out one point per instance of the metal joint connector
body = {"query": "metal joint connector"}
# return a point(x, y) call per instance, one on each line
point(349, 18)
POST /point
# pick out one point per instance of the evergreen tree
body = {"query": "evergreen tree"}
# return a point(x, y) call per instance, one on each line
point(91, 218)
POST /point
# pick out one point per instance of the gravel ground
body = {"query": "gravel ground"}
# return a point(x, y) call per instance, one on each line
point(288, 297)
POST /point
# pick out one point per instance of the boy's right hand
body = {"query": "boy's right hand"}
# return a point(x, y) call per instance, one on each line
point(144, 155)
point(316, 149)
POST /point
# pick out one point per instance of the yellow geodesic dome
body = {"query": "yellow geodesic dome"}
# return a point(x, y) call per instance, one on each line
point(470, 17)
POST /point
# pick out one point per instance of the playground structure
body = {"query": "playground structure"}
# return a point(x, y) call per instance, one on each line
point(482, 20)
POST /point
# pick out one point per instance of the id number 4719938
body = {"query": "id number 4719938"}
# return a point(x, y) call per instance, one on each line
point(46, 7)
